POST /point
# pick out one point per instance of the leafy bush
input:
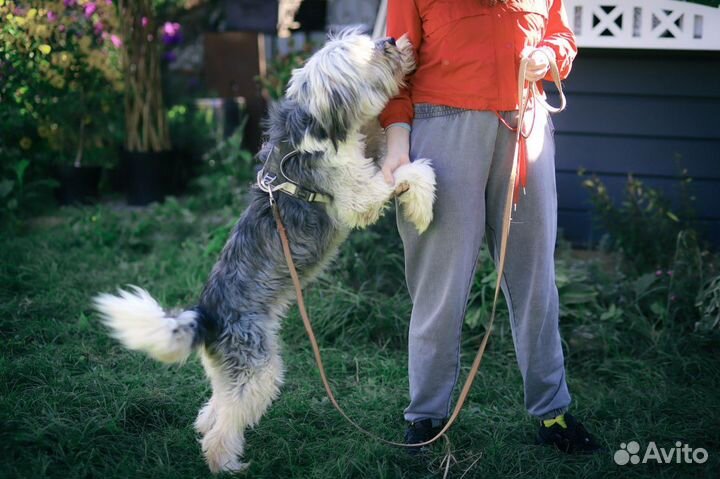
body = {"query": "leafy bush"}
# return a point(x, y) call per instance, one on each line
point(708, 304)
point(191, 129)
point(663, 263)
point(228, 170)
point(643, 227)
point(280, 69)
point(16, 191)
point(60, 81)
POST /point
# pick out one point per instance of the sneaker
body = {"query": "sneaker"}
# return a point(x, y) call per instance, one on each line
point(421, 431)
point(572, 439)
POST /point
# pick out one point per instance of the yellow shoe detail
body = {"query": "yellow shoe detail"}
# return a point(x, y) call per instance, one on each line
point(560, 420)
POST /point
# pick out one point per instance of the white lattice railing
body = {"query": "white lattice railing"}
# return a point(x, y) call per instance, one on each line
point(644, 24)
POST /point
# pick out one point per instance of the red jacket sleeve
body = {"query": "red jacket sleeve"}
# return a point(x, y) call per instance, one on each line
point(403, 18)
point(560, 38)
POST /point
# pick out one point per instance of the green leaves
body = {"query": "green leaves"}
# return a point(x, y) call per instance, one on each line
point(6, 187)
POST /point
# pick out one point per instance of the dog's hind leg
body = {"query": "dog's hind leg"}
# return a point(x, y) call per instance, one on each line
point(417, 202)
point(208, 413)
point(240, 398)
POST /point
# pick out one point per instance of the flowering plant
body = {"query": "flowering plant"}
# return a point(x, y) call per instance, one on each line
point(65, 66)
point(60, 78)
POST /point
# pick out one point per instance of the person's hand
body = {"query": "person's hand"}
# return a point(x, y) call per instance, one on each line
point(538, 62)
point(398, 152)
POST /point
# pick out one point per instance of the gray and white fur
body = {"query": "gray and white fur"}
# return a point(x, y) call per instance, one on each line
point(234, 327)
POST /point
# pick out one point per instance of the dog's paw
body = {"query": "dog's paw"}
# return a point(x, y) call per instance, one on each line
point(223, 451)
point(232, 465)
point(400, 188)
point(417, 202)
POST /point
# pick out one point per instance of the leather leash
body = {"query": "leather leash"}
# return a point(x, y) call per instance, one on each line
point(524, 94)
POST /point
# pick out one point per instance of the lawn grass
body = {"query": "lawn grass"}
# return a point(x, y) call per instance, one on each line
point(74, 404)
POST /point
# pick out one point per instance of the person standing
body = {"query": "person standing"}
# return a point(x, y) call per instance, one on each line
point(458, 109)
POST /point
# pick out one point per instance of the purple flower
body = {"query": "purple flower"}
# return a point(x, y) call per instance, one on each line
point(669, 273)
point(658, 273)
point(90, 9)
point(70, 3)
point(169, 57)
point(116, 41)
point(171, 33)
point(98, 28)
point(61, 28)
point(144, 22)
point(52, 16)
point(171, 28)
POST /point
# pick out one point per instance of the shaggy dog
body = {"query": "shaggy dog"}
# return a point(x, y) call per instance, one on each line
point(314, 137)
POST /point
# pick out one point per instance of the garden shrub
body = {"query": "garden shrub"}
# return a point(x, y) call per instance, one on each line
point(663, 262)
point(708, 304)
point(280, 68)
point(60, 84)
point(643, 227)
point(61, 77)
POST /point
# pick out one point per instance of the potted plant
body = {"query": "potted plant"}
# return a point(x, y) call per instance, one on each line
point(59, 80)
point(147, 148)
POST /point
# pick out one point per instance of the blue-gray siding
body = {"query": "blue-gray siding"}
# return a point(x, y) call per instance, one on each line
point(643, 112)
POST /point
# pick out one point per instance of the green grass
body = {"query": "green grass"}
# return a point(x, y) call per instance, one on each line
point(73, 403)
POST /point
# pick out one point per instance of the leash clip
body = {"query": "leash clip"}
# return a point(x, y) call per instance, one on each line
point(265, 182)
point(268, 179)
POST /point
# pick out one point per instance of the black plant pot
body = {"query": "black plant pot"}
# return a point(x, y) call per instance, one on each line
point(184, 166)
point(147, 176)
point(78, 184)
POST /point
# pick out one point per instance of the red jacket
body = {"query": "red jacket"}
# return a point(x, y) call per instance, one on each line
point(468, 53)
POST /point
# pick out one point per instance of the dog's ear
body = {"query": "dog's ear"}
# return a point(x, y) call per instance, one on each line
point(337, 119)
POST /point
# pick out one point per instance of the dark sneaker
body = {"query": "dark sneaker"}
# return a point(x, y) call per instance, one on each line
point(421, 431)
point(573, 439)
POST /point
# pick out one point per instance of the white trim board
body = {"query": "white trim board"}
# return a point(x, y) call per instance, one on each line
point(644, 24)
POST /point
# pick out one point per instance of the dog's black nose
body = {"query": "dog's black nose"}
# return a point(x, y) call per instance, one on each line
point(391, 41)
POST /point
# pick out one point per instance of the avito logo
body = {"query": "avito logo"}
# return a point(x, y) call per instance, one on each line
point(680, 454)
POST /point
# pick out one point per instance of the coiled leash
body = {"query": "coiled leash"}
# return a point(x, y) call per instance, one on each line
point(526, 94)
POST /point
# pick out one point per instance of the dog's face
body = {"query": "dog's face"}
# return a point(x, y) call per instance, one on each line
point(347, 82)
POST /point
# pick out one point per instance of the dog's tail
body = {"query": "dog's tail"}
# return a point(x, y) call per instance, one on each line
point(139, 323)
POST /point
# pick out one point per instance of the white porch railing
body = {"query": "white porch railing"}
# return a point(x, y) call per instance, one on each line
point(644, 24)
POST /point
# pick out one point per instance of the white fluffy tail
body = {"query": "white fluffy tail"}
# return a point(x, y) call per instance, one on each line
point(139, 323)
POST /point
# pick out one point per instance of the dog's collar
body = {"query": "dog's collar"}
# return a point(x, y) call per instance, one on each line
point(271, 176)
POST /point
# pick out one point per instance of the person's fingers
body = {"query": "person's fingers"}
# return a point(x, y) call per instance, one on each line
point(389, 179)
point(534, 67)
point(536, 73)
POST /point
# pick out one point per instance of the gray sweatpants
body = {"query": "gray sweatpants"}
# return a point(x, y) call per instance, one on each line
point(472, 153)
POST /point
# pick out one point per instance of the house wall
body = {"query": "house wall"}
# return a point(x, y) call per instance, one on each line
point(649, 113)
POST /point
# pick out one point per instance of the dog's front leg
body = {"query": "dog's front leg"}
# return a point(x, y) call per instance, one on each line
point(417, 202)
point(361, 203)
